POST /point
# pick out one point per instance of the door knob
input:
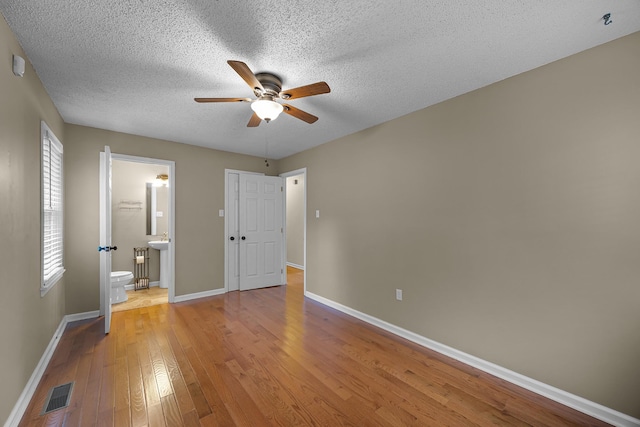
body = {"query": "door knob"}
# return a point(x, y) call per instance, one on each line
point(107, 248)
point(243, 238)
point(232, 238)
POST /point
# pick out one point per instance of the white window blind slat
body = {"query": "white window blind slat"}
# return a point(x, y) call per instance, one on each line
point(52, 208)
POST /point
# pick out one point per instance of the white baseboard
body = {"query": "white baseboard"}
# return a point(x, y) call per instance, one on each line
point(578, 403)
point(131, 287)
point(299, 267)
point(25, 397)
point(188, 297)
point(81, 316)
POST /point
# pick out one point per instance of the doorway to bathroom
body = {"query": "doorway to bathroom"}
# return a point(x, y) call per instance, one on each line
point(142, 227)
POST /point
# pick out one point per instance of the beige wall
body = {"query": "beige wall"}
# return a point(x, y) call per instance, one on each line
point(199, 236)
point(509, 217)
point(28, 320)
point(129, 213)
point(295, 220)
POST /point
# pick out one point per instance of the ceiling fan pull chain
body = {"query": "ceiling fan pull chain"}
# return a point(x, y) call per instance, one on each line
point(266, 148)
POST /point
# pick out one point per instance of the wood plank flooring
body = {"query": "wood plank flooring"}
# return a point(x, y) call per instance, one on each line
point(142, 298)
point(270, 357)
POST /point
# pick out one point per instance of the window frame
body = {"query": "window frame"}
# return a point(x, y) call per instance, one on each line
point(51, 149)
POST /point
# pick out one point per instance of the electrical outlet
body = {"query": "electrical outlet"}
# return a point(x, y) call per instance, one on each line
point(399, 294)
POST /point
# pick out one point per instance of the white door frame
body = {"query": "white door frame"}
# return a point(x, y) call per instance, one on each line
point(105, 237)
point(172, 212)
point(303, 172)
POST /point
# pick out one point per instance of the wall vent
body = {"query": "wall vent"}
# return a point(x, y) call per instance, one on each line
point(58, 398)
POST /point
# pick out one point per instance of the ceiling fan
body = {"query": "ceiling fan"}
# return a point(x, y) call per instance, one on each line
point(268, 87)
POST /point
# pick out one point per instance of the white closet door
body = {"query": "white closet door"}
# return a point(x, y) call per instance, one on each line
point(261, 233)
point(233, 231)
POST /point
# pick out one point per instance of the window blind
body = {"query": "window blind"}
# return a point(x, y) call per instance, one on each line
point(52, 205)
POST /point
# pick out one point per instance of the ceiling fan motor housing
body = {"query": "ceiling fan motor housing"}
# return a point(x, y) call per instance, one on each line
point(271, 83)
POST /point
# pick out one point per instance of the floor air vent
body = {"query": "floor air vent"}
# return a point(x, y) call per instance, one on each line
point(58, 398)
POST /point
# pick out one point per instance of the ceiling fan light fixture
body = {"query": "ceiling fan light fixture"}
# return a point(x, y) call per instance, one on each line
point(267, 109)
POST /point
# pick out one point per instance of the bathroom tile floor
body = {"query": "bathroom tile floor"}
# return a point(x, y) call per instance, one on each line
point(143, 298)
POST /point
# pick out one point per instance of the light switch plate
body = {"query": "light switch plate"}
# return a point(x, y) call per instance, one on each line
point(221, 213)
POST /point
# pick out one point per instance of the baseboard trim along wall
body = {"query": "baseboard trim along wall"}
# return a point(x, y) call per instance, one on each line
point(25, 397)
point(578, 403)
point(188, 297)
point(298, 266)
point(81, 316)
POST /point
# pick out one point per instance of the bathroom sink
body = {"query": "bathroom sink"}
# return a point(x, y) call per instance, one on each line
point(160, 245)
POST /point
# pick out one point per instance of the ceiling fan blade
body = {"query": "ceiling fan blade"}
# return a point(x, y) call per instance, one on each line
point(299, 114)
point(308, 90)
point(254, 121)
point(222, 99)
point(247, 75)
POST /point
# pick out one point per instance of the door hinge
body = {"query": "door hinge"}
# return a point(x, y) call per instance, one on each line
point(281, 230)
point(281, 189)
point(281, 271)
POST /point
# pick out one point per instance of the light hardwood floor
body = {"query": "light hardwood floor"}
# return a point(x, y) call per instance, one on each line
point(270, 357)
point(142, 298)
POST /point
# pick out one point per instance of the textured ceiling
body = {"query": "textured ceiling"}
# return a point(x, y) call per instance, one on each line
point(135, 66)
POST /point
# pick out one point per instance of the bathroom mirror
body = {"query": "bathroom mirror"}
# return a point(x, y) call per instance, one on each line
point(157, 202)
point(151, 225)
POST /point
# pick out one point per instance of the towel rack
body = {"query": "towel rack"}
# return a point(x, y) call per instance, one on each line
point(130, 205)
point(141, 268)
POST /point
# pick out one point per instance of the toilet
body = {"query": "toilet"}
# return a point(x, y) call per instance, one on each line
point(119, 279)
